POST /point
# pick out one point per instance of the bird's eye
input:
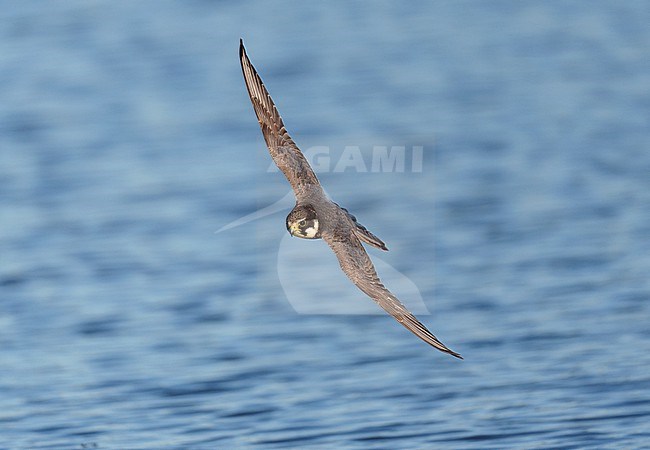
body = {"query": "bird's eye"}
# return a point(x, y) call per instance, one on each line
point(302, 223)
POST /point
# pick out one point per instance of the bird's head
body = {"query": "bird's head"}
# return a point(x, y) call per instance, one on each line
point(303, 223)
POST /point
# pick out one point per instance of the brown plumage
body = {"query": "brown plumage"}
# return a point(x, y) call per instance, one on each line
point(315, 216)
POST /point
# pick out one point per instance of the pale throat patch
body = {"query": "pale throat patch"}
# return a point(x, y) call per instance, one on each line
point(310, 232)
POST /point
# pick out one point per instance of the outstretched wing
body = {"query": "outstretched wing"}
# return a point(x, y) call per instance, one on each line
point(356, 264)
point(284, 151)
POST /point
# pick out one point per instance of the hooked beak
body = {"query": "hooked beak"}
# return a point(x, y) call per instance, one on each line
point(293, 229)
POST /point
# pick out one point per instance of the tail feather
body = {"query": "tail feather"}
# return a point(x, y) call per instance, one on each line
point(364, 235)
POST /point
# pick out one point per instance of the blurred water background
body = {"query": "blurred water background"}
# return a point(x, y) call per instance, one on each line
point(127, 140)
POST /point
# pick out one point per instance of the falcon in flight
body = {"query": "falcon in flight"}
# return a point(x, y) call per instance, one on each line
point(315, 216)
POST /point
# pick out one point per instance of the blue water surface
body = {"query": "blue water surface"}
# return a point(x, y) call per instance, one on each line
point(127, 139)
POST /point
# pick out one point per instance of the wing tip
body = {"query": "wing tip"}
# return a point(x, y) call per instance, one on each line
point(443, 348)
point(242, 50)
